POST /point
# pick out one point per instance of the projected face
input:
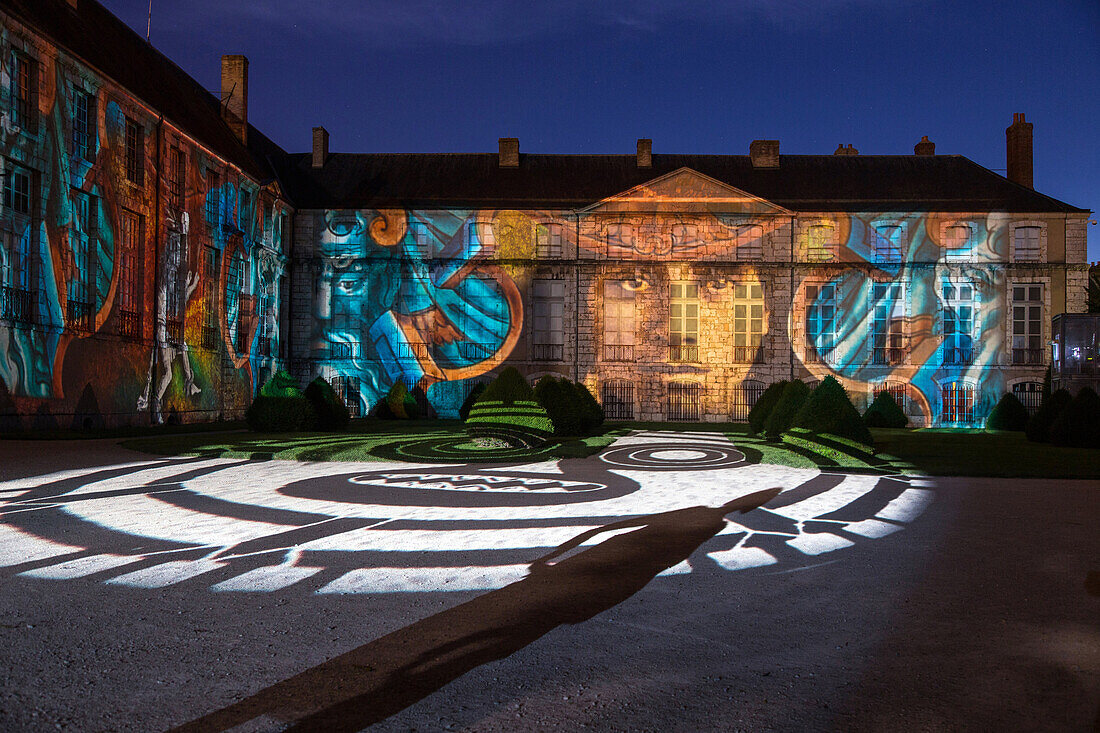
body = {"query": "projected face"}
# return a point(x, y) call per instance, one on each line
point(378, 528)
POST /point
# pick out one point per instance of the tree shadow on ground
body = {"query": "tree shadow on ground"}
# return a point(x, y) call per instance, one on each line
point(385, 676)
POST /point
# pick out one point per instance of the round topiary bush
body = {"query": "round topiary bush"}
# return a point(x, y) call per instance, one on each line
point(795, 394)
point(1078, 425)
point(828, 410)
point(1038, 427)
point(509, 411)
point(398, 404)
point(281, 384)
point(474, 396)
point(560, 403)
point(331, 412)
point(885, 412)
point(1008, 414)
point(280, 407)
point(758, 415)
point(591, 406)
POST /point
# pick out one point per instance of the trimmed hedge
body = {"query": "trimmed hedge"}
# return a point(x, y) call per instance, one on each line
point(331, 412)
point(1038, 427)
point(1008, 414)
point(560, 402)
point(1078, 425)
point(829, 411)
point(885, 412)
point(782, 415)
point(591, 413)
point(280, 407)
point(281, 384)
point(508, 410)
point(398, 404)
point(474, 396)
point(758, 415)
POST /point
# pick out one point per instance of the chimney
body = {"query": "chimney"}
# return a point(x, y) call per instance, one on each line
point(764, 153)
point(1019, 151)
point(924, 147)
point(320, 147)
point(841, 150)
point(235, 95)
point(509, 152)
point(645, 152)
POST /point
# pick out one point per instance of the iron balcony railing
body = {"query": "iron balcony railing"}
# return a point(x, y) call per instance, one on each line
point(210, 337)
point(174, 330)
point(957, 357)
point(618, 352)
point(547, 352)
point(1028, 356)
point(412, 351)
point(683, 353)
point(891, 356)
point(129, 325)
point(16, 304)
point(815, 355)
point(78, 314)
point(474, 351)
point(748, 354)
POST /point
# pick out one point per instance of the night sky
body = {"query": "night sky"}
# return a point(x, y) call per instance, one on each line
point(575, 76)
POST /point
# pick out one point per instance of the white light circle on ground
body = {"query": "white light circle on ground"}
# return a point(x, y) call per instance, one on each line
point(678, 455)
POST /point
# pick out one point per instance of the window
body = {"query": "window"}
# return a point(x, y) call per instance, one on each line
point(234, 303)
point(244, 211)
point(958, 323)
point(17, 190)
point(129, 292)
point(748, 322)
point(548, 307)
point(480, 238)
point(819, 243)
point(209, 298)
point(174, 273)
point(347, 389)
point(958, 403)
point(888, 243)
point(683, 322)
point(1027, 324)
point(1025, 244)
point(957, 242)
point(685, 238)
point(176, 176)
point(620, 239)
point(685, 402)
point(820, 323)
point(617, 396)
point(84, 116)
point(1030, 394)
point(135, 152)
point(213, 198)
point(548, 241)
point(266, 326)
point(82, 236)
point(750, 243)
point(618, 321)
point(899, 392)
point(887, 324)
point(15, 295)
point(24, 88)
point(420, 239)
point(745, 396)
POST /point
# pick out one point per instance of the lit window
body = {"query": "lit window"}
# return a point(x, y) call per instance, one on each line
point(819, 243)
point(748, 322)
point(958, 323)
point(820, 323)
point(683, 322)
point(957, 242)
point(1025, 244)
point(1027, 324)
point(887, 324)
point(958, 403)
point(135, 152)
point(548, 310)
point(548, 240)
point(888, 244)
point(618, 321)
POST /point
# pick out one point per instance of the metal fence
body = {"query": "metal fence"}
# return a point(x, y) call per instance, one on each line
point(618, 399)
point(1030, 394)
point(685, 402)
point(744, 399)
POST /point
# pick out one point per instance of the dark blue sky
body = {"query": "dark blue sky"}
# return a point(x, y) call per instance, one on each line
point(575, 76)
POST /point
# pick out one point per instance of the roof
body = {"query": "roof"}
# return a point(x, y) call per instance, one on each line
point(92, 34)
point(800, 183)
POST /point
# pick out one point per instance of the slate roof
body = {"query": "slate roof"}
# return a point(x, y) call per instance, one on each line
point(800, 183)
point(94, 35)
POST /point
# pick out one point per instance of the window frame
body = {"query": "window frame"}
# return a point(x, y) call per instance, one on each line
point(683, 341)
point(1032, 351)
point(24, 91)
point(135, 152)
point(84, 124)
point(619, 343)
point(547, 344)
point(751, 351)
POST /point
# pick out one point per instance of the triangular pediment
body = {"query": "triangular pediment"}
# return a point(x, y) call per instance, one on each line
point(686, 190)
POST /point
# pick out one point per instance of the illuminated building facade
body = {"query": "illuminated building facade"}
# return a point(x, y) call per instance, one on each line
point(676, 286)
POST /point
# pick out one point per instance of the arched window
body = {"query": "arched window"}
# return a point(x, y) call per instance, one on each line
point(617, 396)
point(685, 402)
point(957, 402)
point(1030, 394)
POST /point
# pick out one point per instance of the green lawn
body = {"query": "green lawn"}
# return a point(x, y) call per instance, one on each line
point(930, 451)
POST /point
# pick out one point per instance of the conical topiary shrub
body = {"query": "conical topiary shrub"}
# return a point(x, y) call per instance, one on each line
point(474, 396)
point(1038, 427)
point(280, 407)
point(1008, 414)
point(782, 415)
point(509, 411)
point(885, 412)
point(1078, 425)
point(591, 407)
point(330, 410)
point(560, 403)
point(758, 415)
point(828, 411)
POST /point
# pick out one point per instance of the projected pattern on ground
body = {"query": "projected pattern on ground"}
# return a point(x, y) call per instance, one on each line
point(398, 527)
